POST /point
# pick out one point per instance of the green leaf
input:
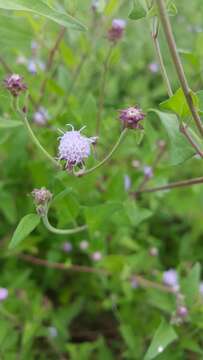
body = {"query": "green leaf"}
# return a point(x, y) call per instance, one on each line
point(98, 216)
point(137, 12)
point(190, 285)
point(135, 213)
point(110, 7)
point(4, 123)
point(178, 104)
point(163, 336)
point(27, 224)
point(180, 150)
point(41, 8)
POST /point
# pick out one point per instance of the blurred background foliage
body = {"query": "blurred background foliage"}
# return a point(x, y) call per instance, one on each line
point(53, 314)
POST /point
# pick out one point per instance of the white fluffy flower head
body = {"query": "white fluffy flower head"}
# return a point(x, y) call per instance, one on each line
point(74, 148)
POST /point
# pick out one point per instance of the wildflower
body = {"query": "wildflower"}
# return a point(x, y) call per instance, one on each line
point(41, 196)
point(3, 294)
point(74, 148)
point(96, 256)
point(170, 278)
point(115, 33)
point(182, 312)
point(32, 67)
point(201, 288)
point(67, 247)
point(153, 251)
point(148, 172)
point(84, 245)
point(127, 182)
point(41, 116)
point(154, 68)
point(134, 283)
point(52, 331)
point(14, 84)
point(131, 117)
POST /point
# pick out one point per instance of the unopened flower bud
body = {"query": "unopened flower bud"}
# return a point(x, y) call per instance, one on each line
point(115, 33)
point(153, 251)
point(14, 84)
point(182, 312)
point(148, 172)
point(131, 117)
point(96, 256)
point(84, 245)
point(3, 294)
point(41, 196)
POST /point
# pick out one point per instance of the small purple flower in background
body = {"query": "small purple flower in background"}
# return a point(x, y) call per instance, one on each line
point(3, 294)
point(148, 172)
point(131, 117)
point(67, 247)
point(201, 288)
point(127, 182)
point(154, 68)
point(14, 84)
point(32, 66)
point(134, 283)
point(170, 278)
point(41, 116)
point(153, 251)
point(74, 148)
point(34, 45)
point(84, 245)
point(41, 196)
point(182, 312)
point(52, 331)
point(115, 33)
point(96, 256)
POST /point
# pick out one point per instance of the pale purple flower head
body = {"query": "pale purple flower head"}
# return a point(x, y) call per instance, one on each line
point(170, 278)
point(96, 256)
point(115, 33)
point(41, 116)
point(3, 294)
point(131, 116)
point(53, 332)
point(182, 312)
point(67, 247)
point(15, 85)
point(41, 196)
point(84, 245)
point(74, 148)
point(201, 288)
point(134, 283)
point(154, 68)
point(148, 172)
point(32, 66)
point(127, 182)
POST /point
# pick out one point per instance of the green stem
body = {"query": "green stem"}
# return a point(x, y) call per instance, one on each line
point(177, 63)
point(102, 89)
point(60, 231)
point(88, 171)
point(160, 60)
point(37, 143)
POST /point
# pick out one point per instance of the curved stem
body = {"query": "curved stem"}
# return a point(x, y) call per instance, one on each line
point(60, 231)
point(160, 59)
point(177, 63)
point(88, 171)
point(37, 143)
